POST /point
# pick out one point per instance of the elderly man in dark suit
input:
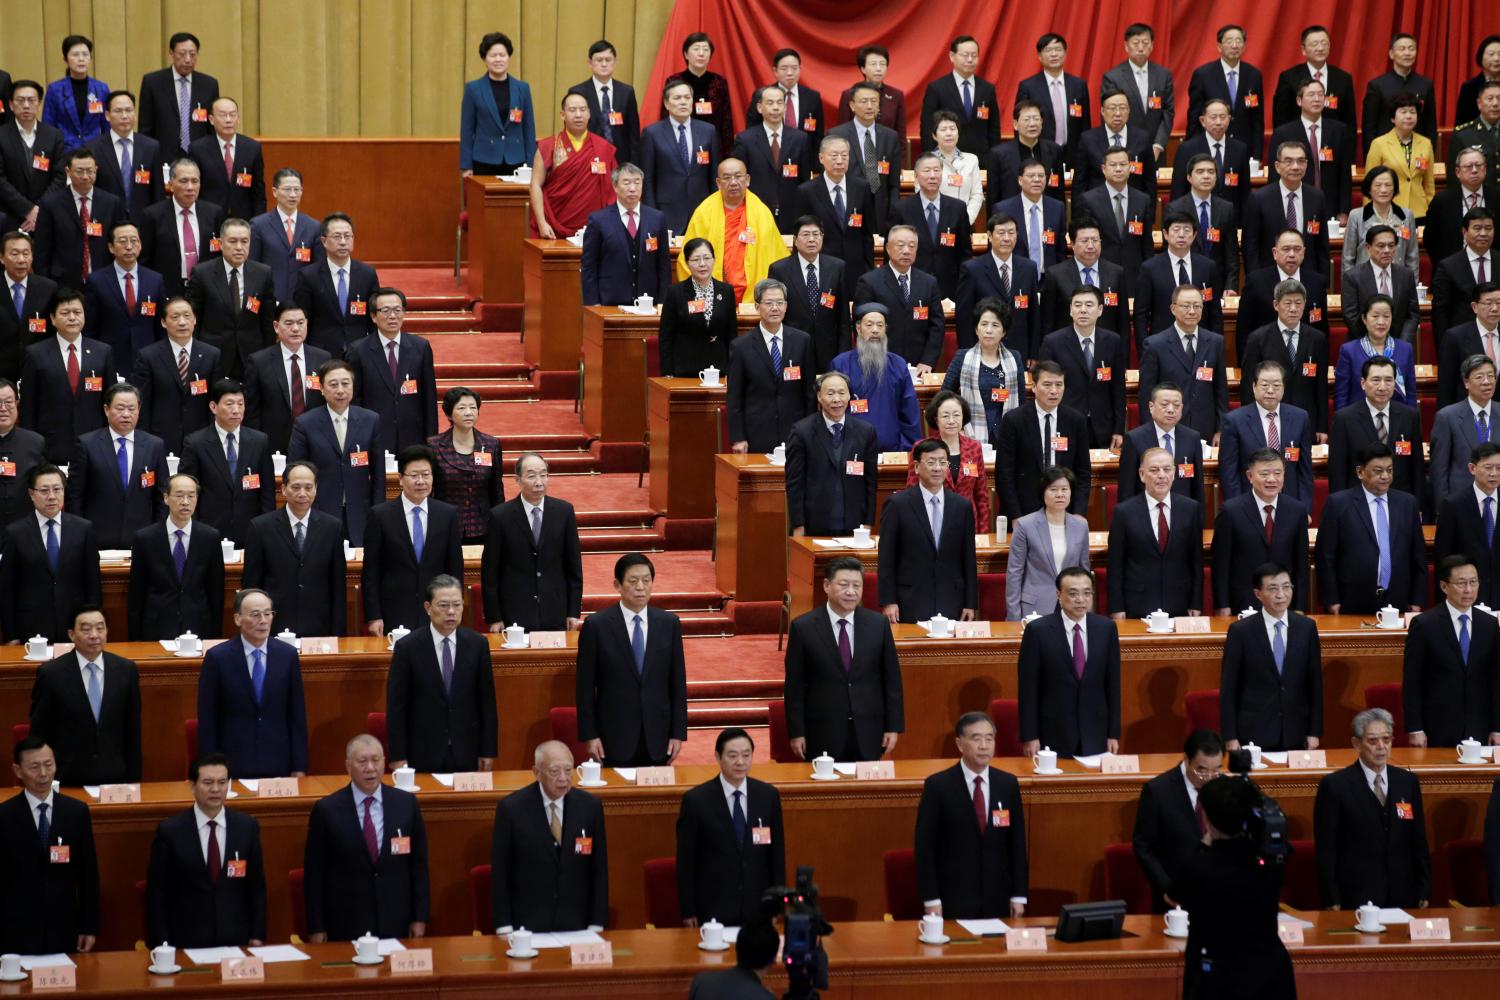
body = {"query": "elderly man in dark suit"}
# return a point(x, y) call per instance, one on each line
point(1112, 133)
point(613, 112)
point(632, 692)
point(1063, 97)
point(50, 564)
point(1466, 520)
point(1218, 230)
point(1302, 352)
point(1268, 423)
point(1192, 358)
point(1068, 673)
point(335, 295)
point(1381, 275)
point(393, 375)
point(771, 374)
point(1480, 335)
point(408, 541)
point(817, 303)
point(234, 298)
point(23, 449)
point(1314, 121)
point(234, 172)
point(74, 225)
point(804, 106)
point(1442, 233)
point(532, 569)
point(832, 463)
point(967, 95)
point(166, 226)
point(625, 251)
point(1271, 678)
point(177, 571)
point(125, 301)
point(1156, 547)
point(911, 298)
point(1315, 67)
point(233, 464)
point(29, 296)
point(174, 375)
point(927, 558)
point(1238, 84)
point(876, 153)
point(114, 475)
point(93, 727)
point(1375, 416)
point(1459, 427)
point(845, 208)
point(281, 381)
point(27, 170)
point(941, 222)
point(1370, 551)
point(1290, 203)
point(130, 164)
point(777, 155)
point(297, 556)
point(1163, 428)
point(1147, 85)
point(64, 378)
point(680, 156)
point(175, 99)
point(1167, 829)
point(1258, 303)
point(1449, 682)
point(284, 239)
point(1261, 525)
point(341, 440)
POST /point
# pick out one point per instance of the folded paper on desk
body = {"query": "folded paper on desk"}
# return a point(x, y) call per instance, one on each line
point(982, 928)
point(1093, 760)
point(1274, 756)
point(279, 953)
point(565, 939)
point(29, 962)
point(848, 769)
point(212, 956)
point(446, 780)
point(1394, 916)
point(628, 773)
point(1287, 918)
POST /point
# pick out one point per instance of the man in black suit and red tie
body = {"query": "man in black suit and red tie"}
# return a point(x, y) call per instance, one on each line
point(281, 381)
point(1271, 679)
point(532, 569)
point(180, 232)
point(86, 704)
point(175, 99)
point(1156, 547)
point(843, 682)
point(1063, 97)
point(407, 542)
point(235, 299)
point(234, 173)
point(1069, 674)
point(125, 301)
point(1261, 525)
point(777, 155)
point(177, 571)
point(393, 375)
point(970, 835)
point(632, 688)
point(613, 114)
point(335, 295)
point(74, 225)
point(1235, 82)
point(64, 379)
point(1448, 674)
point(965, 94)
point(804, 106)
point(1167, 828)
point(620, 265)
point(1332, 156)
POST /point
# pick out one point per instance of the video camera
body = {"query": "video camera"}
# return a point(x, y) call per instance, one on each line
point(803, 929)
point(1267, 828)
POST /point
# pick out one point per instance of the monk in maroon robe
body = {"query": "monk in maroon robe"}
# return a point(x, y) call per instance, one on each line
point(571, 175)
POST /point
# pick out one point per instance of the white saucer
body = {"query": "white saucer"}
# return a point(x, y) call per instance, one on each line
point(18, 977)
point(1377, 929)
point(934, 635)
point(186, 655)
point(1161, 631)
point(861, 546)
point(517, 645)
point(38, 659)
point(1171, 934)
point(1050, 770)
point(1261, 766)
point(170, 970)
point(1391, 628)
point(368, 961)
point(1472, 762)
point(937, 940)
point(705, 946)
point(824, 777)
point(413, 790)
point(512, 953)
point(601, 783)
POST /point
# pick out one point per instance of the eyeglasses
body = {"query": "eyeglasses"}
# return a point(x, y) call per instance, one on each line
point(390, 310)
point(258, 615)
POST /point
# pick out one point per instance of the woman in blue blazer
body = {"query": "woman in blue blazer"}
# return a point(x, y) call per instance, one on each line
point(74, 105)
point(1043, 544)
point(497, 127)
point(1378, 339)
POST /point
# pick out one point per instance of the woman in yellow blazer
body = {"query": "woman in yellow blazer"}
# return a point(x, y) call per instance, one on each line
point(1408, 154)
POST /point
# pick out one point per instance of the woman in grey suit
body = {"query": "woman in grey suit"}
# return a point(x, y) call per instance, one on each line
point(1043, 544)
point(1380, 187)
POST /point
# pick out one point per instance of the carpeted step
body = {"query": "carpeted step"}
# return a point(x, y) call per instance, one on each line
point(454, 370)
point(619, 540)
point(733, 690)
point(615, 518)
point(545, 443)
point(492, 390)
point(458, 300)
point(718, 715)
point(706, 623)
point(440, 322)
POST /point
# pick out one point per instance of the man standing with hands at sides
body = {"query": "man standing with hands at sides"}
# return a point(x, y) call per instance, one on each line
point(1163, 429)
point(30, 297)
point(48, 545)
point(1232, 80)
point(553, 875)
point(365, 863)
point(1091, 358)
point(1068, 674)
point(1260, 525)
point(94, 727)
point(570, 174)
point(130, 164)
point(910, 300)
point(180, 232)
point(234, 298)
point(1301, 350)
point(1168, 829)
point(1271, 680)
point(32, 158)
point(965, 94)
point(284, 239)
point(944, 222)
point(1376, 417)
point(173, 375)
point(234, 173)
point(176, 571)
point(340, 440)
point(843, 683)
point(1315, 67)
point(440, 691)
point(1003, 162)
point(1384, 861)
point(112, 479)
point(680, 156)
point(613, 114)
point(1147, 85)
point(625, 250)
point(804, 106)
point(876, 153)
point(1290, 203)
point(1005, 275)
point(1063, 97)
point(1034, 437)
point(393, 376)
point(970, 836)
point(1218, 235)
point(206, 884)
point(1163, 272)
point(52, 905)
point(1329, 144)
point(632, 687)
point(1448, 674)
point(1270, 423)
point(408, 541)
point(777, 156)
point(64, 378)
point(1156, 547)
point(1192, 357)
point(232, 463)
point(73, 227)
point(532, 567)
point(723, 868)
point(281, 381)
point(250, 702)
point(770, 375)
point(816, 299)
point(927, 558)
point(297, 556)
point(881, 382)
point(1370, 551)
point(175, 99)
point(1258, 302)
point(845, 207)
point(1466, 520)
point(336, 295)
point(124, 301)
point(832, 463)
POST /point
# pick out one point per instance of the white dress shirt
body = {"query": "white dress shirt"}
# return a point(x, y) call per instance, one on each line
point(1192, 789)
point(744, 790)
point(83, 669)
point(377, 811)
point(192, 216)
point(766, 335)
point(249, 649)
point(1453, 614)
point(119, 141)
point(928, 498)
point(1264, 416)
point(333, 272)
point(625, 215)
point(41, 523)
point(802, 263)
point(527, 507)
point(200, 819)
point(63, 344)
point(239, 442)
point(286, 366)
point(1270, 623)
point(114, 447)
point(1474, 259)
point(1041, 424)
point(135, 280)
point(630, 622)
point(437, 646)
point(187, 534)
point(1261, 504)
point(1070, 624)
point(306, 522)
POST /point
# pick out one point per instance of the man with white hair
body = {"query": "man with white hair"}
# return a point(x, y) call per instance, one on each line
point(880, 383)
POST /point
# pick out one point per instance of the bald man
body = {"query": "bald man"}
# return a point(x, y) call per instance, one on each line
point(742, 229)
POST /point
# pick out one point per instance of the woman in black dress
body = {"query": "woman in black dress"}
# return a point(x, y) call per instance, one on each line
point(697, 317)
point(469, 473)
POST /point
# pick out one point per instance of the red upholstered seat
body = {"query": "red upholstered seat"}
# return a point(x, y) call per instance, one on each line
point(1005, 713)
point(653, 357)
point(1203, 710)
point(189, 742)
point(871, 596)
point(991, 597)
point(140, 904)
point(481, 914)
point(375, 726)
point(781, 747)
point(662, 909)
point(1388, 697)
point(1299, 888)
point(563, 723)
point(1468, 881)
point(299, 905)
point(1427, 408)
point(1101, 590)
point(1111, 497)
point(901, 900)
point(476, 608)
point(1123, 878)
point(1320, 497)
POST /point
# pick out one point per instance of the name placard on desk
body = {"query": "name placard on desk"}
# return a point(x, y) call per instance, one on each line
point(1430, 929)
point(1126, 763)
point(54, 977)
point(875, 770)
point(277, 788)
point(411, 962)
point(1026, 939)
point(650, 777)
point(593, 953)
point(1188, 626)
point(549, 640)
point(1289, 933)
point(320, 645)
point(473, 781)
point(251, 969)
point(1306, 759)
point(971, 630)
point(120, 793)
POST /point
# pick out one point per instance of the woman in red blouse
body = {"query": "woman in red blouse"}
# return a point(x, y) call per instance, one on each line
point(946, 416)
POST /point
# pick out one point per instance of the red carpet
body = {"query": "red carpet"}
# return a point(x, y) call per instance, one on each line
point(423, 281)
point(475, 348)
point(676, 573)
point(542, 416)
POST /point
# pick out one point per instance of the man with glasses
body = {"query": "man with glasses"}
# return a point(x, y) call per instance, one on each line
point(408, 541)
point(130, 164)
point(177, 571)
point(50, 546)
point(235, 298)
point(771, 374)
point(1168, 825)
point(1287, 204)
point(125, 301)
point(393, 376)
point(74, 225)
point(335, 296)
point(94, 726)
point(1443, 229)
point(1271, 680)
point(1460, 427)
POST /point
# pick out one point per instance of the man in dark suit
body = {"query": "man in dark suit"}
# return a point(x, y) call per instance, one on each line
point(1238, 84)
point(876, 153)
point(20, 326)
point(804, 106)
point(42, 580)
point(233, 464)
point(1328, 142)
point(365, 862)
point(250, 702)
point(619, 267)
point(927, 557)
point(1147, 84)
point(966, 95)
point(1455, 277)
point(970, 836)
point(912, 300)
point(1289, 203)
point(944, 239)
point(64, 379)
point(1180, 265)
point(1192, 358)
point(393, 376)
point(123, 302)
point(1480, 335)
point(843, 683)
point(1361, 423)
point(1114, 133)
point(1269, 423)
point(845, 208)
point(1442, 233)
point(1459, 427)
point(1063, 97)
point(1381, 92)
point(1258, 303)
point(680, 156)
point(1449, 685)
point(112, 477)
point(234, 173)
point(1315, 68)
point(1068, 673)
point(285, 239)
point(165, 226)
point(1156, 547)
point(1003, 161)
point(1218, 231)
point(1167, 830)
point(832, 463)
point(297, 556)
point(1086, 267)
point(1125, 212)
point(281, 381)
point(1163, 428)
point(73, 226)
point(206, 882)
point(816, 304)
point(1381, 275)
point(176, 571)
point(341, 440)
point(613, 113)
point(549, 857)
point(86, 705)
point(730, 839)
point(1271, 678)
point(22, 450)
point(1034, 437)
point(1302, 352)
point(27, 170)
point(532, 570)
point(440, 690)
point(1001, 274)
point(631, 693)
point(130, 164)
point(1040, 218)
point(770, 371)
point(1261, 525)
point(408, 541)
point(173, 405)
point(336, 297)
point(1091, 358)
point(1466, 519)
point(757, 946)
point(1370, 828)
point(1370, 550)
point(777, 155)
point(167, 92)
point(52, 905)
point(235, 299)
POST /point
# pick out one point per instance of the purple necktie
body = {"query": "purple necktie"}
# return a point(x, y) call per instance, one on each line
point(179, 554)
point(1078, 657)
point(846, 653)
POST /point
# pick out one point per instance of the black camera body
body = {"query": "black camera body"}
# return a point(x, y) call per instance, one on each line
point(1267, 828)
point(803, 929)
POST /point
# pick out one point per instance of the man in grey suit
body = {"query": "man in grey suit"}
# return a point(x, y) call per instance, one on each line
point(1381, 275)
point(1147, 85)
point(1462, 426)
point(876, 153)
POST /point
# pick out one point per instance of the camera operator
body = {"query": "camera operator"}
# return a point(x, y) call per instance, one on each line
point(1232, 897)
point(755, 949)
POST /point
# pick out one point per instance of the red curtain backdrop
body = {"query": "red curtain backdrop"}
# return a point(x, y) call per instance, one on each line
point(917, 33)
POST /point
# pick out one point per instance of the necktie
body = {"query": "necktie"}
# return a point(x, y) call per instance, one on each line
point(776, 149)
point(846, 652)
point(234, 288)
point(1116, 142)
point(1270, 523)
point(1489, 521)
point(905, 282)
point(1312, 143)
point(182, 366)
point(1202, 817)
point(1034, 245)
point(43, 825)
point(179, 553)
point(638, 646)
point(96, 690)
point(838, 205)
point(258, 673)
point(390, 359)
point(1479, 276)
point(122, 460)
point(872, 168)
point(776, 355)
point(1291, 210)
point(418, 542)
point(372, 843)
point(1273, 436)
point(1278, 646)
point(536, 526)
point(229, 161)
point(184, 115)
point(447, 664)
point(812, 287)
point(1059, 119)
point(1047, 439)
point(83, 216)
point(129, 294)
point(1088, 276)
point(1463, 636)
point(1120, 214)
point(1234, 86)
point(1219, 161)
point(1088, 354)
point(1166, 442)
point(339, 428)
point(1474, 200)
point(296, 388)
point(1079, 660)
point(1482, 425)
point(739, 819)
point(290, 228)
point(1182, 273)
point(980, 806)
point(343, 291)
point(1290, 339)
point(1383, 539)
point(189, 245)
point(52, 547)
point(1005, 279)
point(968, 100)
point(1380, 788)
point(682, 149)
point(1163, 533)
point(299, 535)
point(1489, 345)
point(791, 108)
point(555, 822)
point(126, 167)
point(231, 454)
point(18, 299)
point(1381, 431)
point(215, 859)
point(1385, 283)
point(630, 224)
point(838, 439)
point(605, 110)
point(1203, 226)
point(932, 221)
point(1191, 346)
point(936, 519)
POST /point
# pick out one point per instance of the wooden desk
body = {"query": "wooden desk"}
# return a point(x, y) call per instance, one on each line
point(554, 304)
point(614, 373)
point(686, 422)
point(339, 689)
point(497, 228)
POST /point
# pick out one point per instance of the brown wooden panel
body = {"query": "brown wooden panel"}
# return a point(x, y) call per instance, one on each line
point(685, 421)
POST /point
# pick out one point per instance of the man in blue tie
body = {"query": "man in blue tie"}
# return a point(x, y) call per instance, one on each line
point(1466, 520)
point(177, 571)
point(49, 564)
point(632, 682)
point(94, 728)
point(1370, 551)
point(408, 541)
point(1271, 680)
point(1448, 680)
